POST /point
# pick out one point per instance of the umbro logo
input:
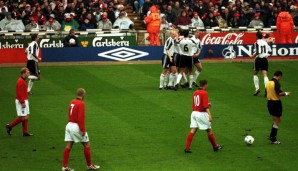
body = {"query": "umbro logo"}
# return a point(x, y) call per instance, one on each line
point(123, 54)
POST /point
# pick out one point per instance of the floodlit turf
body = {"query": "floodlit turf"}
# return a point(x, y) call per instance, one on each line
point(134, 126)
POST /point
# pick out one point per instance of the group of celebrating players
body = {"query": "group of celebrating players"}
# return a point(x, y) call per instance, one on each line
point(180, 54)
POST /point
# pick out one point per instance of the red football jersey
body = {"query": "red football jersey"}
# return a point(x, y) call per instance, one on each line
point(200, 101)
point(76, 113)
point(21, 90)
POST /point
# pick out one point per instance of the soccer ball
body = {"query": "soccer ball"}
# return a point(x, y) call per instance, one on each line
point(72, 41)
point(249, 140)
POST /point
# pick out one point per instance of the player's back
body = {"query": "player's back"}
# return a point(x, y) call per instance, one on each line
point(198, 45)
point(169, 45)
point(32, 49)
point(200, 100)
point(76, 111)
point(186, 45)
point(262, 48)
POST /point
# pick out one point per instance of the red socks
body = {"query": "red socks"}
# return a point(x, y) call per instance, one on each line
point(212, 140)
point(66, 157)
point(87, 155)
point(15, 122)
point(25, 126)
point(189, 140)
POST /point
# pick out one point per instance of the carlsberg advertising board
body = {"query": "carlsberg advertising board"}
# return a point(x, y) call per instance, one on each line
point(84, 42)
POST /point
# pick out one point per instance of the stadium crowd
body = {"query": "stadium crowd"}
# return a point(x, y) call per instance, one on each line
point(107, 14)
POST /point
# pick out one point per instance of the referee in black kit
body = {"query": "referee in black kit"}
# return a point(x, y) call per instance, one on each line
point(274, 105)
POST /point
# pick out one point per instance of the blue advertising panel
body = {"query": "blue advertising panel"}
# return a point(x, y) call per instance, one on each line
point(78, 54)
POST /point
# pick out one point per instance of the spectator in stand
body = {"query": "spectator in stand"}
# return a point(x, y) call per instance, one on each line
point(60, 14)
point(33, 25)
point(250, 15)
point(146, 7)
point(235, 22)
point(47, 11)
point(293, 12)
point(222, 23)
point(71, 40)
point(256, 22)
point(211, 21)
point(202, 8)
point(97, 15)
point(285, 26)
point(196, 21)
point(245, 8)
point(5, 21)
point(87, 25)
point(16, 13)
point(123, 22)
point(52, 24)
point(41, 19)
point(227, 14)
point(164, 23)
point(111, 14)
point(170, 15)
point(3, 12)
point(177, 9)
point(2, 5)
point(183, 20)
point(273, 19)
point(120, 8)
point(91, 19)
point(243, 20)
point(105, 23)
point(69, 23)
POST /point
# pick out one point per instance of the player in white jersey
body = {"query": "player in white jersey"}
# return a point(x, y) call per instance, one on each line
point(186, 46)
point(261, 52)
point(196, 61)
point(168, 63)
point(32, 52)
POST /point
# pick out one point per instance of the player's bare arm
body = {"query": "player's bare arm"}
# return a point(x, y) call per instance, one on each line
point(209, 114)
point(169, 55)
point(253, 56)
point(285, 94)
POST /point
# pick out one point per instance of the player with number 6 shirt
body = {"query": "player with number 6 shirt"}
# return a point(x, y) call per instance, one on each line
point(201, 117)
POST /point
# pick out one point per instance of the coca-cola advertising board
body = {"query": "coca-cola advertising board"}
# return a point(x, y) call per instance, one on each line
point(245, 38)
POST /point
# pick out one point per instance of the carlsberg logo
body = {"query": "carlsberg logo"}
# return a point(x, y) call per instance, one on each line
point(97, 42)
point(45, 43)
point(9, 44)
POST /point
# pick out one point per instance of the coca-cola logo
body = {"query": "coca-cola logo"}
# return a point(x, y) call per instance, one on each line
point(229, 38)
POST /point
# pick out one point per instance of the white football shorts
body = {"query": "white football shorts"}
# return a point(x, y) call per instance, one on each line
point(20, 110)
point(73, 133)
point(200, 120)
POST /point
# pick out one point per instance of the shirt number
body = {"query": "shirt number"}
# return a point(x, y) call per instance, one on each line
point(196, 100)
point(72, 106)
point(185, 48)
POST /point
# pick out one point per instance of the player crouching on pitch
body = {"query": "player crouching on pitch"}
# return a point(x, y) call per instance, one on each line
point(75, 131)
point(201, 117)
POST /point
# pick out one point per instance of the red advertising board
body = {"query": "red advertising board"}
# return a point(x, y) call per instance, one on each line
point(15, 55)
point(239, 38)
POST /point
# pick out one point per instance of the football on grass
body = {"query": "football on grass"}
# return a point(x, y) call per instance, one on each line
point(249, 140)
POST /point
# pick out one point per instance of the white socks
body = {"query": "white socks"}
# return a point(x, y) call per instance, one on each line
point(178, 78)
point(196, 75)
point(166, 80)
point(266, 80)
point(161, 80)
point(172, 79)
point(184, 78)
point(190, 81)
point(31, 81)
point(256, 82)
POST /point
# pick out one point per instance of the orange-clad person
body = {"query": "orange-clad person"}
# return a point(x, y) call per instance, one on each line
point(153, 25)
point(285, 26)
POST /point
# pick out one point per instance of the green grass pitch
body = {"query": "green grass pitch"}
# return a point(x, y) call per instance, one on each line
point(133, 126)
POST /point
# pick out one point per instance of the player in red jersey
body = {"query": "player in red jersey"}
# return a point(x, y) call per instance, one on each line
point(75, 131)
point(22, 104)
point(201, 117)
